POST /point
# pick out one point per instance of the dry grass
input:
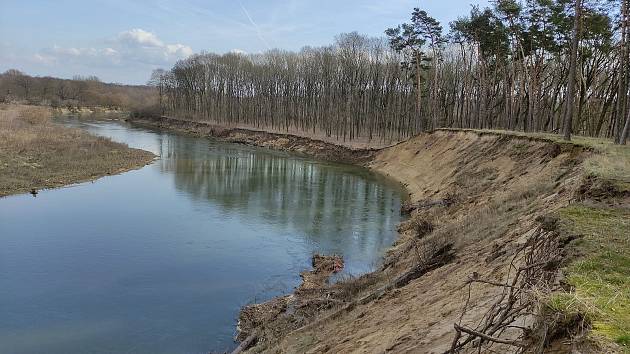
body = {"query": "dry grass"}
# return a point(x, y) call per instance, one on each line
point(600, 279)
point(36, 153)
point(611, 161)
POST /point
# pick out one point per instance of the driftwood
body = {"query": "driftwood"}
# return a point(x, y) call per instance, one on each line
point(246, 343)
point(460, 329)
point(440, 258)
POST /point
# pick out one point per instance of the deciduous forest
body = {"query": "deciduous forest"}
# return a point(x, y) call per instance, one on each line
point(81, 91)
point(535, 65)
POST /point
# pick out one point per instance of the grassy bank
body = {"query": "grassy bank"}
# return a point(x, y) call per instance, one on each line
point(600, 276)
point(35, 153)
point(597, 269)
point(598, 272)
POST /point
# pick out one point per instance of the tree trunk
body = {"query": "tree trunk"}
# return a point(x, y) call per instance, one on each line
point(626, 129)
point(622, 98)
point(575, 41)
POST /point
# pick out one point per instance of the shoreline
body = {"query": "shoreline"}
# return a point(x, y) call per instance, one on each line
point(276, 141)
point(477, 199)
point(40, 154)
point(75, 182)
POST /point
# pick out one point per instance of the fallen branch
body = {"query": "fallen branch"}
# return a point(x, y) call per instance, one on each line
point(539, 260)
point(246, 343)
point(487, 337)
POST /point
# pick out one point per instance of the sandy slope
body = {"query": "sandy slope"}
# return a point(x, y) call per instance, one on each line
point(478, 196)
point(501, 185)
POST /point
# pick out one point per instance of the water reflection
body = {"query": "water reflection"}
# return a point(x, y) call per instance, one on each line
point(339, 208)
point(159, 260)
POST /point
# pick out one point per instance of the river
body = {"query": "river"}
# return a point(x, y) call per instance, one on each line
point(160, 259)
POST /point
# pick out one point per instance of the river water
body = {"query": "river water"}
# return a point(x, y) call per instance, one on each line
point(159, 260)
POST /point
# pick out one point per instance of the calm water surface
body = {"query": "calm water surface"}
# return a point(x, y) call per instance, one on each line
point(159, 260)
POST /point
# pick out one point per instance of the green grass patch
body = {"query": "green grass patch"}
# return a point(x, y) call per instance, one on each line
point(601, 276)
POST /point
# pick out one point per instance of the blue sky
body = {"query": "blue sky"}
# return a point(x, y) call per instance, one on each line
point(124, 40)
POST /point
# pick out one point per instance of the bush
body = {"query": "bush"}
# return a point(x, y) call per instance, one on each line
point(152, 111)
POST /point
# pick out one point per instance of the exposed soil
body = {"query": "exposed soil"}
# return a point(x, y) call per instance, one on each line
point(477, 200)
point(475, 203)
point(285, 142)
point(285, 312)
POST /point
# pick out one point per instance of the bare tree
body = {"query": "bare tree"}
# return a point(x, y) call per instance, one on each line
point(623, 104)
point(513, 66)
point(570, 99)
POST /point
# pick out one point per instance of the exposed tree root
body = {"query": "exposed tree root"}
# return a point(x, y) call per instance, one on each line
point(540, 258)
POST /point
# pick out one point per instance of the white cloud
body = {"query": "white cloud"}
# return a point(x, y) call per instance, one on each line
point(145, 47)
point(110, 51)
point(134, 46)
point(140, 37)
point(44, 59)
point(179, 50)
point(70, 55)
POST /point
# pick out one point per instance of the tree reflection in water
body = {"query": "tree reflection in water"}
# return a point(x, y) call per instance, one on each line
point(337, 208)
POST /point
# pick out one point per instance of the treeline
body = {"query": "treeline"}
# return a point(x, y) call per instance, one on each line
point(81, 91)
point(535, 65)
point(354, 88)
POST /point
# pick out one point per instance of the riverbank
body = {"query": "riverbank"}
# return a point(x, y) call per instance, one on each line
point(493, 249)
point(276, 141)
point(35, 153)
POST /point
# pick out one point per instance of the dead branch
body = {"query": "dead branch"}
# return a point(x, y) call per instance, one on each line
point(538, 259)
point(246, 343)
point(487, 337)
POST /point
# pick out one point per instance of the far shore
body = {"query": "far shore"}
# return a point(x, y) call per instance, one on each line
point(38, 154)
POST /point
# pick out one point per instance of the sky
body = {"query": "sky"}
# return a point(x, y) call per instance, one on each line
point(124, 40)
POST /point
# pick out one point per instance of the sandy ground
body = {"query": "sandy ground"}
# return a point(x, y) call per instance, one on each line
point(477, 197)
point(501, 184)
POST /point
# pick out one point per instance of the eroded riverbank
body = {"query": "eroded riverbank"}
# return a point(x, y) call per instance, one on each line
point(480, 200)
point(283, 142)
point(161, 259)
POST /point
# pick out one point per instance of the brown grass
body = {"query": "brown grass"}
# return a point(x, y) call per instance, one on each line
point(35, 153)
point(610, 162)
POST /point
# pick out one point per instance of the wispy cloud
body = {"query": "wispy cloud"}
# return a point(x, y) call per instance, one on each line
point(258, 31)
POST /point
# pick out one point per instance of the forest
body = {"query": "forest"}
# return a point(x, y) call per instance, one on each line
point(535, 66)
point(80, 91)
